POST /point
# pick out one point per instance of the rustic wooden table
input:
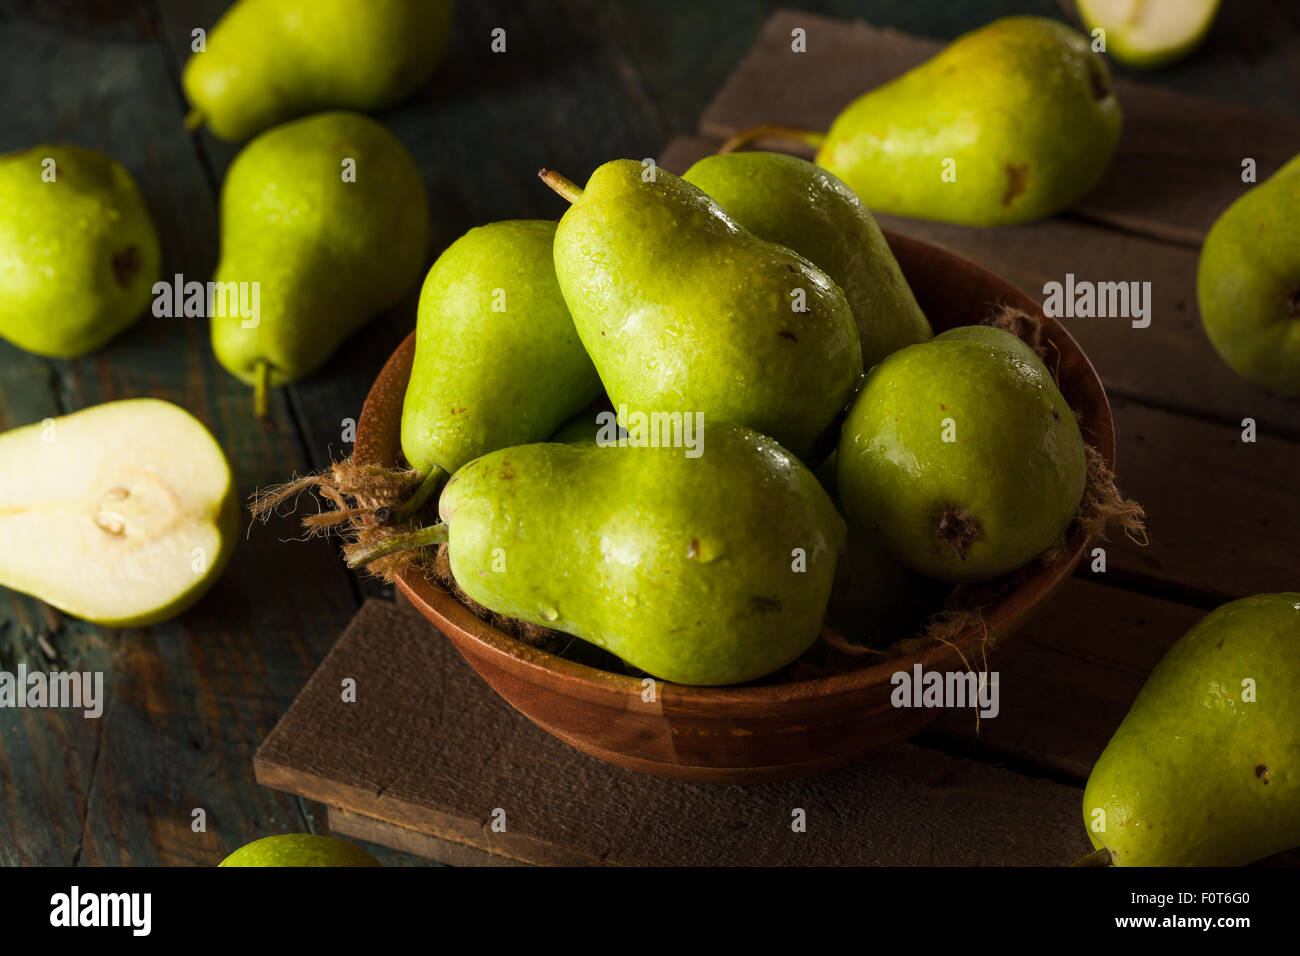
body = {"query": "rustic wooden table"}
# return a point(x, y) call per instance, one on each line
point(189, 701)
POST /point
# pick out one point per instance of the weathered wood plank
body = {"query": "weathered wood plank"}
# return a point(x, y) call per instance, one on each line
point(1067, 680)
point(1223, 514)
point(429, 747)
point(411, 843)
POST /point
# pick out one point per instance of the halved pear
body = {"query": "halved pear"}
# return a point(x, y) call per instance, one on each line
point(122, 514)
point(1149, 33)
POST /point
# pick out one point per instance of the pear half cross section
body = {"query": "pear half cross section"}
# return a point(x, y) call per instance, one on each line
point(121, 514)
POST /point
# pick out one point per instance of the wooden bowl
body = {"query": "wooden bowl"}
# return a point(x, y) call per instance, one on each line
point(754, 732)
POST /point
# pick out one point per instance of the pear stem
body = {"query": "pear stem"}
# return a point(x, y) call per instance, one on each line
point(428, 486)
point(1099, 857)
point(194, 120)
point(262, 390)
point(562, 185)
point(358, 556)
point(809, 137)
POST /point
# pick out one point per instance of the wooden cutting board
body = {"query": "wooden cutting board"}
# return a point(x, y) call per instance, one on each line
point(427, 759)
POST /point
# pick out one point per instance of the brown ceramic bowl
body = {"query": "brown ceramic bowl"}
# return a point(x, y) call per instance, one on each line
point(764, 731)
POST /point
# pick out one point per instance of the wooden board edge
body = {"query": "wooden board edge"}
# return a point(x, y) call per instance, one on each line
point(358, 826)
point(440, 826)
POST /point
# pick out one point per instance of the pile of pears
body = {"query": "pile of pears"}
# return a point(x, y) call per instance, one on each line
point(739, 391)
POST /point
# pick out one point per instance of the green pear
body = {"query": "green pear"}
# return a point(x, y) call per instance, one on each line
point(327, 216)
point(797, 204)
point(1010, 123)
point(78, 250)
point(497, 360)
point(1202, 771)
point(1248, 283)
point(267, 61)
point(299, 849)
point(962, 456)
point(683, 310)
point(122, 514)
point(1149, 33)
point(705, 566)
point(875, 600)
point(584, 428)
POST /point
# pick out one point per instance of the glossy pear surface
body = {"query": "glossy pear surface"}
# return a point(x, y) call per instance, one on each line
point(267, 61)
point(708, 570)
point(1009, 123)
point(962, 456)
point(327, 254)
point(497, 359)
point(122, 514)
point(1248, 283)
point(797, 204)
point(299, 849)
point(1205, 769)
point(682, 310)
point(78, 250)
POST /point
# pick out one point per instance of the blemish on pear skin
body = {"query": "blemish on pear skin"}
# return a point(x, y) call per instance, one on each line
point(786, 334)
point(959, 528)
point(1262, 773)
point(693, 551)
point(1017, 177)
point(125, 265)
point(1100, 88)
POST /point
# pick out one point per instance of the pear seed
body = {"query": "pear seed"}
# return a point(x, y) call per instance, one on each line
point(111, 524)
